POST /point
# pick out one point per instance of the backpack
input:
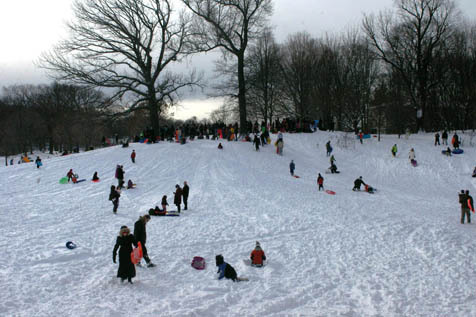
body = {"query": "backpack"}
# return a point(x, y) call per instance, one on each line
point(198, 263)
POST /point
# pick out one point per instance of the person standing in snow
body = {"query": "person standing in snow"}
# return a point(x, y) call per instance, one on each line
point(437, 138)
point(411, 155)
point(133, 156)
point(332, 159)
point(38, 162)
point(257, 256)
point(178, 197)
point(141, 236)
point(320, 182)
point(328, 148)
point(70, 174)
point(357, 183)
point(455, 141)
point(124, 242)
point(120, 176)
point(361, 137)
point(292, 167)
point(279, 146)
point(394, 150)
point(114, 195)
point(185, 192)
point(256, 142)
point(444, 137)
point(463, 200)
point(164, 203)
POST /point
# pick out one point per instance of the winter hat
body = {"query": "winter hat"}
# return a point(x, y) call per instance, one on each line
point(219, 260)
point(123, 230)
point(257, 244)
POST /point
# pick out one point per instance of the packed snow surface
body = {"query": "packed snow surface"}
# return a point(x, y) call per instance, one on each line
point(399, 252)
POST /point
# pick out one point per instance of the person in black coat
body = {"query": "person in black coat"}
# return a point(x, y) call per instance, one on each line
point(124, 242)
point(114, 197)
point(141, 236)
point(357, 183)
point(178, 197)
point(185, 191)
point(95, 177)
point(120, 177)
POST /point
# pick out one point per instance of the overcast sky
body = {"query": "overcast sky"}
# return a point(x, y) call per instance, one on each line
point(30, 27)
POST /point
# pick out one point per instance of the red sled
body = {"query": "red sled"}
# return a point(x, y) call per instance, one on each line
point(330, 192)
point(198, 263)
point(136, 254)
point(296, 176)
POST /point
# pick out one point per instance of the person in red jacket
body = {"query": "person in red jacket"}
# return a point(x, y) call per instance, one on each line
point(70, 174)
point(257, 255)
point(133, 156)
point(320, 182)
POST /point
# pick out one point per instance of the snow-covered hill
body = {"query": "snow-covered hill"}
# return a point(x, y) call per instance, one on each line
point(399, 252)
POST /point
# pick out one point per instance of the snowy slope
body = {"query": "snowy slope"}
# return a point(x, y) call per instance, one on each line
point(399, 252)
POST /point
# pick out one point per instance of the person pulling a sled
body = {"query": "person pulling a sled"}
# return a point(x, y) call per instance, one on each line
point(357, 183)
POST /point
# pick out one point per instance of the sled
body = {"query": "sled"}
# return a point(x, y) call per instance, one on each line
point(242, 279)
point(445, 152)
point(295, 176)
point(39, 164)
point(198, 263)
point(136, 254)
point(63, 180)
point(79, 181)
point(330, 192)
point(248, 262)
point(173, 214)
point(457, 151)
point(95, 180)
point(70, 245)
point(414, 163)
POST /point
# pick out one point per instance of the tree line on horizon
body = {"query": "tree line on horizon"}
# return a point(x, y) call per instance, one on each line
point(409, 68)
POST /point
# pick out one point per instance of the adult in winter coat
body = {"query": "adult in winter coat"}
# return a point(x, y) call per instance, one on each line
point(225, 269)
point(332, 159)
point(141, 236)
point(455, 140)
point(463, 200)
point(437, 138)
point(292, 167)
point(133, 156)
point(114, 195)
point(178, 197)
point(444, 137)
point(120, 176)
point(257, 256)
point(320, 181)
point(328, 148)
point(124, 243)
point(394, 150)
point(357, 183)
point(185, 192)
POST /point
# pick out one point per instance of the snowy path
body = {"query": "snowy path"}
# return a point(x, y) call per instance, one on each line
point(399, 252)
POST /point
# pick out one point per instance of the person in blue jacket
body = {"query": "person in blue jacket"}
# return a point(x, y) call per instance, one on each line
point(225, 269)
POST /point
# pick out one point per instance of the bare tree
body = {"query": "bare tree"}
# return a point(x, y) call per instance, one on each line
point(230, 25)
point(126, 45)
point(408, 40)
point(299, 68)
point(264, 78)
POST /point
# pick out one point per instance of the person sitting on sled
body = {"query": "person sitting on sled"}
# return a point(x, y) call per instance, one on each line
point(257, 256)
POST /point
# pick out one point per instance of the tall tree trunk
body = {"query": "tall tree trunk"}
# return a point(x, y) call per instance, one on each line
point(242, 93)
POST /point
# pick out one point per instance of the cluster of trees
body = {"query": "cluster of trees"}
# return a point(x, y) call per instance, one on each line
point(413, 68)
point(410, 68)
